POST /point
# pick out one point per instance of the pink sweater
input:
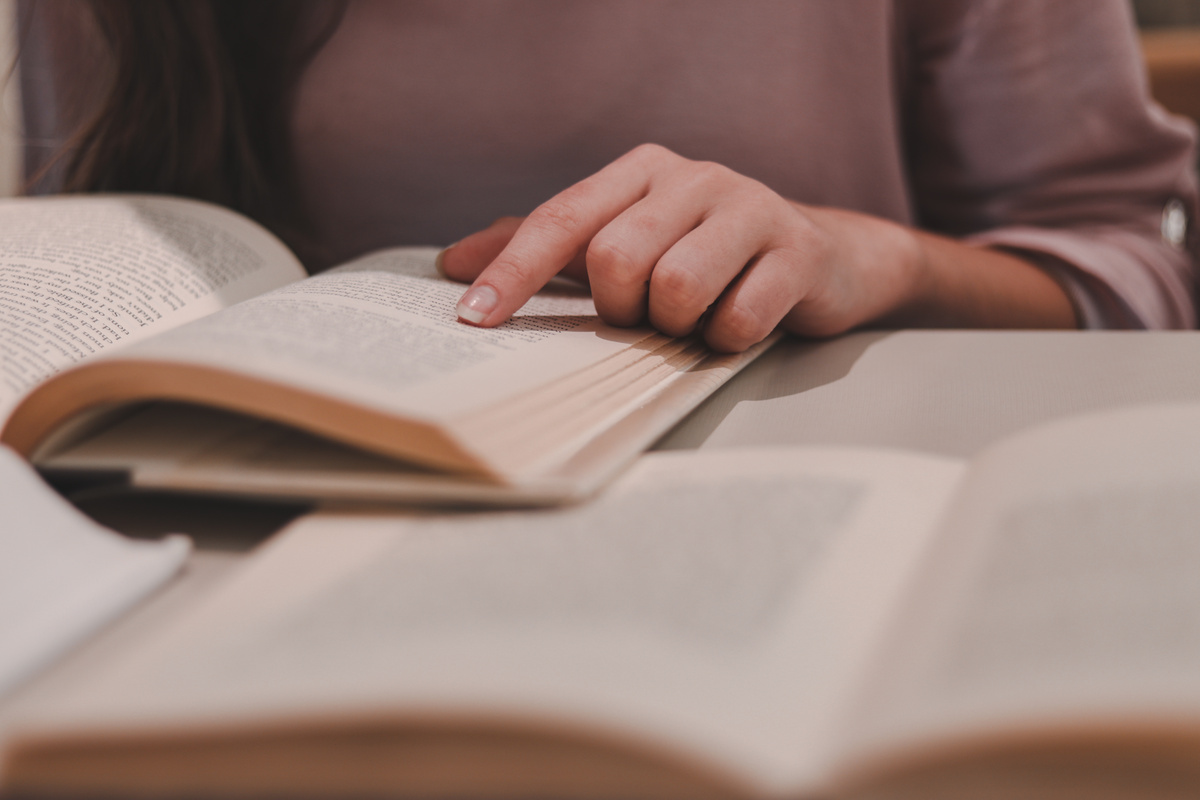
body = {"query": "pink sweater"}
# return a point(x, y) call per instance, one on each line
point(1023, 125)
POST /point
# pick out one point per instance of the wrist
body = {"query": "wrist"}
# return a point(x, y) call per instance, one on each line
point(961, 285)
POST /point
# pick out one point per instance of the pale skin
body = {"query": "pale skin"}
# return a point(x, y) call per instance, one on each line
point(686, 245)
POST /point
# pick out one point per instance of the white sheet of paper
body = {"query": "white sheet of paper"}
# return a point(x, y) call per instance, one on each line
point(62, 576)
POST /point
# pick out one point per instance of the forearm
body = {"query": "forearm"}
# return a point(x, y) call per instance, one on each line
point(904, 277)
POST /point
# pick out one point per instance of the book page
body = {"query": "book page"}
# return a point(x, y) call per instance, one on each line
point(62, 576)
point(716, 608)
point(382, 332)
point(1062, 596)
point(85, 275)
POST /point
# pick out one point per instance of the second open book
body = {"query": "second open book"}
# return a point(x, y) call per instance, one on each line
point(791, 622)
point(151, 337)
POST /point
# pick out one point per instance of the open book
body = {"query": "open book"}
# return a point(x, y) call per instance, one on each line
point(211, 363)
point(789, 622)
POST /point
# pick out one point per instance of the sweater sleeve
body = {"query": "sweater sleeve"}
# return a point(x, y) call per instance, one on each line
point(1030, 128)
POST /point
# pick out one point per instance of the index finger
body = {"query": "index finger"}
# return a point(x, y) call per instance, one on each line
point(550, 238)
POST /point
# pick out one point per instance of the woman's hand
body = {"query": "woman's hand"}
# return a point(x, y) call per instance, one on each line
point(685, 245)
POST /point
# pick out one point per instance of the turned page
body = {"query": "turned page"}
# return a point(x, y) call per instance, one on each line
point(1062, 595)
point(85, 275)
point(715, 607)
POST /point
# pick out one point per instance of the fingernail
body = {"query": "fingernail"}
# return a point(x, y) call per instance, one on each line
point(477, 303)
point(439, 262)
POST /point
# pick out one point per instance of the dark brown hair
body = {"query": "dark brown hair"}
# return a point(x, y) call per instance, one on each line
point(198, 102)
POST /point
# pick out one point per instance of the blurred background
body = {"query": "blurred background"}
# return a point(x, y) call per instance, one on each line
point(1171, 43)
point(1158, 13)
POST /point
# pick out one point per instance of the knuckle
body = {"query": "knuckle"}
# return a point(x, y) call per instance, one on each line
point(677, 288)
point(607, 262)
point(651, 152)
point(711, 172)
point(561, 213)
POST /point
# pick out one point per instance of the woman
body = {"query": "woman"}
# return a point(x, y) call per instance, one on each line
point(821, 165)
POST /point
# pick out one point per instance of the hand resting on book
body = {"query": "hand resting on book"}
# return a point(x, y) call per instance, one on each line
point(686, 244)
